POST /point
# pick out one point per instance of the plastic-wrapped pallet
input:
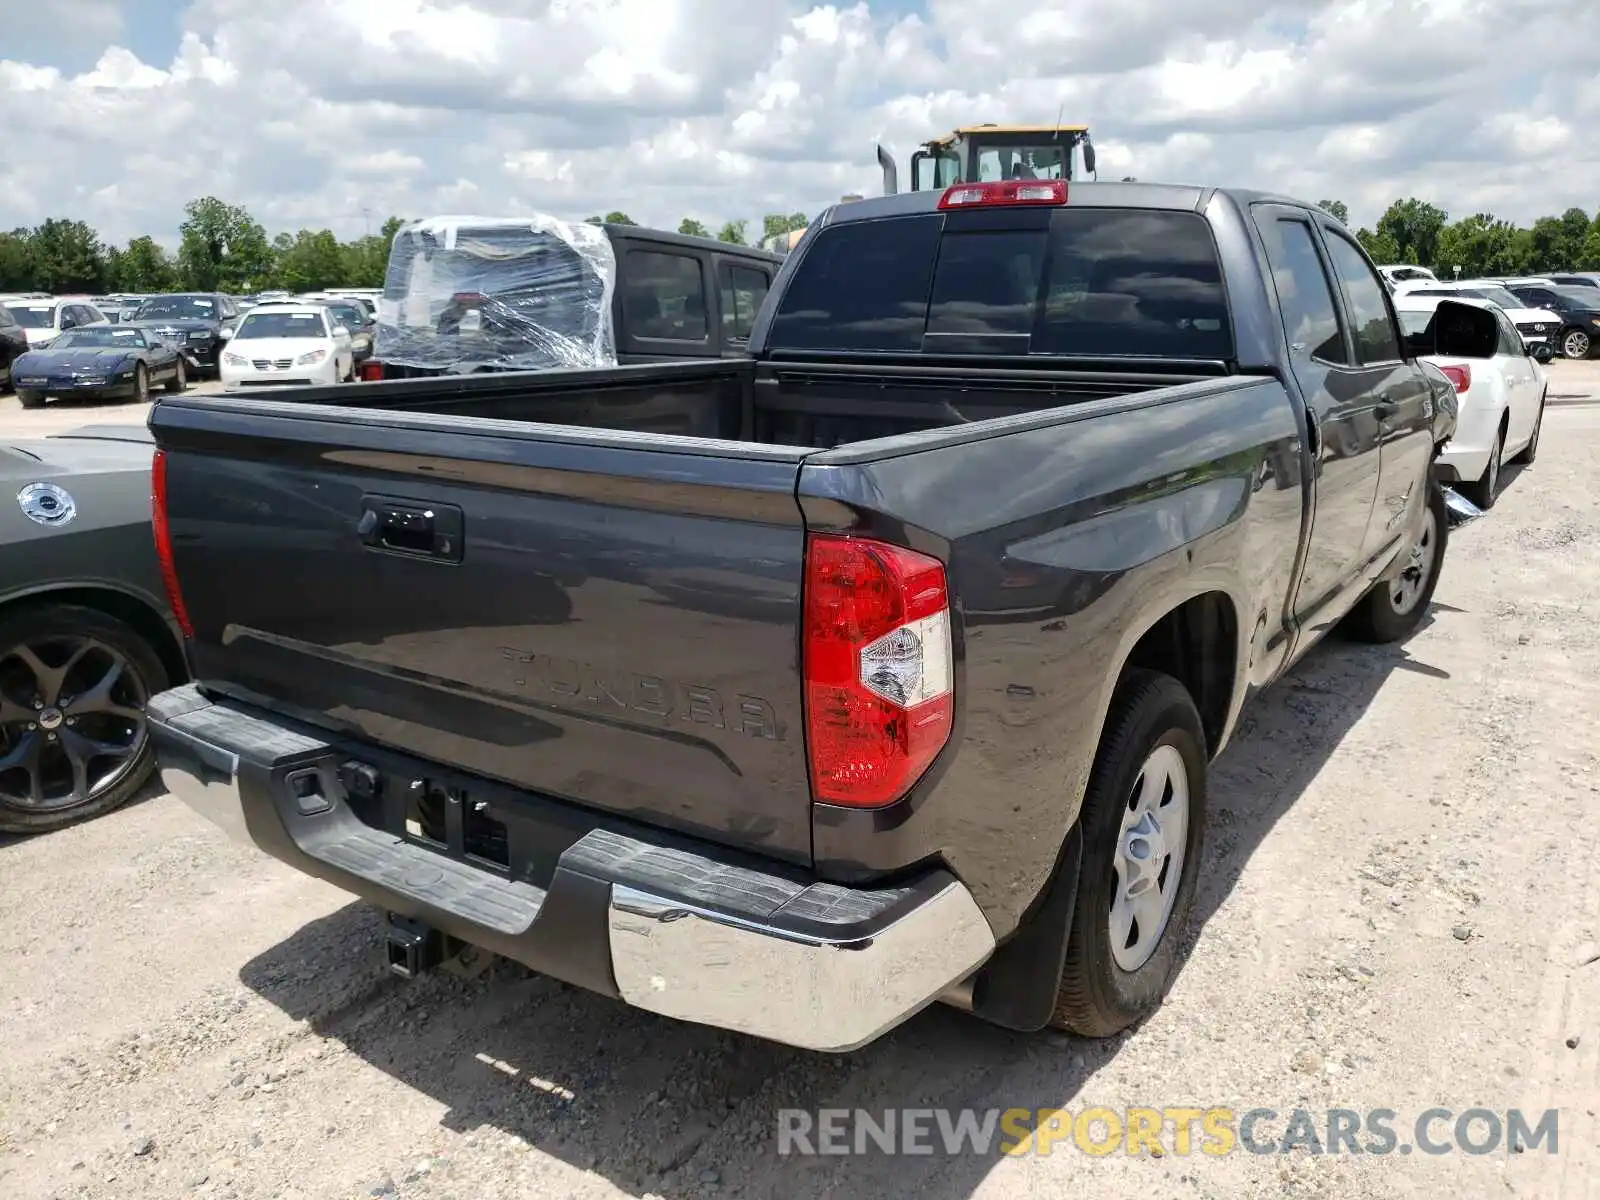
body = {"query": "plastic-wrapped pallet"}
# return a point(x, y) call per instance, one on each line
point(466, 293)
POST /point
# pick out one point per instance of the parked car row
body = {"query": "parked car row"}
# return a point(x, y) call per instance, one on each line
point(53, 346)
point(1555, 314)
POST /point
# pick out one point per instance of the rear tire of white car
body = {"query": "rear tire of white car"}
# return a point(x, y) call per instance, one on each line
point(1486, 490)
point(1531, 450)
point(29, 399)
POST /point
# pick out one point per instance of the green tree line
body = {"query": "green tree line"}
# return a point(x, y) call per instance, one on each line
point(1422, 234)
point(223, 248)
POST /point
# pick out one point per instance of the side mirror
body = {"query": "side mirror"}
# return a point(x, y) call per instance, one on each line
point(67, 323)
point(225, 332)
point(340, 331)
point(1462, 331)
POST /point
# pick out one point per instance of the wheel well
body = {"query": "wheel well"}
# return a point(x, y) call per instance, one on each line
point(133, 612)
point(1197, 644)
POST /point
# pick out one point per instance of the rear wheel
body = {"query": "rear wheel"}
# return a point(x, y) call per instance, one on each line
point(1143, 824)
point(1531, 450)
point(1486, 490)
point(73, 740)
point(1394, 608)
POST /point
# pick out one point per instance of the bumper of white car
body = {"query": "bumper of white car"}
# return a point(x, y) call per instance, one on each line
point(1466, 455)
point(263, 373)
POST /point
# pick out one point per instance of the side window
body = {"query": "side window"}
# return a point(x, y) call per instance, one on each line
point(1305, 296)
point(6, 319)
point(67, 317)
point(743, 290)
point(664, 296)
point(1373, 328)
point(1510, 339)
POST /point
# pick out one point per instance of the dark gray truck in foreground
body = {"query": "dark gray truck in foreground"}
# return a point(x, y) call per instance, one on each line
point(792, 694)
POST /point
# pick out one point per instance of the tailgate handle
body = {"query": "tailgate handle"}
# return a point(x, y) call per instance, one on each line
point(411, 527)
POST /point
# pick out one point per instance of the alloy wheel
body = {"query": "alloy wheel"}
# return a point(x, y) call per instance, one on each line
point(72, 722)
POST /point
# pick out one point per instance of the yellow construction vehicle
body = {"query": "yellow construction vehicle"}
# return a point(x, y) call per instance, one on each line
point(982, 153)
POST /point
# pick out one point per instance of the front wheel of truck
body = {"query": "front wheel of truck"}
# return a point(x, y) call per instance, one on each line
point(1395, 607)
point(1143, 823)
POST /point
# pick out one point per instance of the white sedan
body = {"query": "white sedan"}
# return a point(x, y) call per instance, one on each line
point(45, 320)
point(1500, 388)
point(278, 345)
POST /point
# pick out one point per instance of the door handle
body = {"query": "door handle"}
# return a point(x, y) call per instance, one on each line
point(411, 527)
point(1386, 407)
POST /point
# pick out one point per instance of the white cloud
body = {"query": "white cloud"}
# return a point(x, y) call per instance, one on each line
point(324, 112)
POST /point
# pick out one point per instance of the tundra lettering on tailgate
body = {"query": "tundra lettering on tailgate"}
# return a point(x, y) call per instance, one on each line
point(568, 680)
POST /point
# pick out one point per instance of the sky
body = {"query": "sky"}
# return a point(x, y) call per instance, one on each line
point(337, 113)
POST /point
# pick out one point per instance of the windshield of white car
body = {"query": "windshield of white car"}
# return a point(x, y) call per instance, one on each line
point(281, 325)
point(101, 335)
point(34, 318)
point(201, 308)
point(1496, 295)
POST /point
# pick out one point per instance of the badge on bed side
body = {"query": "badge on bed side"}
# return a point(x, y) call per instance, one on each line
point(47, 504)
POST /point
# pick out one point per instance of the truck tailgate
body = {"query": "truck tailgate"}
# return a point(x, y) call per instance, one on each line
point(603, 617)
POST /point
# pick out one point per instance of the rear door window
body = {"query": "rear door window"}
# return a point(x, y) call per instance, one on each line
point(1091, 283)
point(664, 297)
point(1370, 323)
point(743, 290)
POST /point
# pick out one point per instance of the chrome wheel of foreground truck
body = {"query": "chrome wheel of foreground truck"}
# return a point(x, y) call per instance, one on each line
point(878, 666)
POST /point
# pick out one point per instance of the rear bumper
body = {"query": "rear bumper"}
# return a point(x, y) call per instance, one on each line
point(674, 927)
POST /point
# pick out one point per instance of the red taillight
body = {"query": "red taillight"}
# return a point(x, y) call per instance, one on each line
point(372, 371)
point(1460, 377)
point(878, 668)
point(1008, 191)
point(158, 522)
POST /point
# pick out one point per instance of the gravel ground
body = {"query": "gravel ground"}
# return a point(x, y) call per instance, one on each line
point(1400, 909)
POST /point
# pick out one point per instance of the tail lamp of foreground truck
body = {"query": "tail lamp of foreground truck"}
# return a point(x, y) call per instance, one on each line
point(792, 694)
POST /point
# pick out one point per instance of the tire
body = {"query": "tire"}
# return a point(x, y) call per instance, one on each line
point(1531, 451)
point(52, 635)
point(1486, 490)
point(1576, 343)
point(1381, 616)
point(30, 399)
point(1152, 724)
point(179, 382)
point(141, 384)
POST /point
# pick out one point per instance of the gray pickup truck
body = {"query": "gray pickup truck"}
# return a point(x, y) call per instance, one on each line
point(792, 694)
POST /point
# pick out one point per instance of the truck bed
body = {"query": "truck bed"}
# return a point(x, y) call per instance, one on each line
point(792, 404)
point(612, 618)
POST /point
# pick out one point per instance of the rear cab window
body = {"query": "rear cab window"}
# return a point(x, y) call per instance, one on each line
point(1061, 282)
